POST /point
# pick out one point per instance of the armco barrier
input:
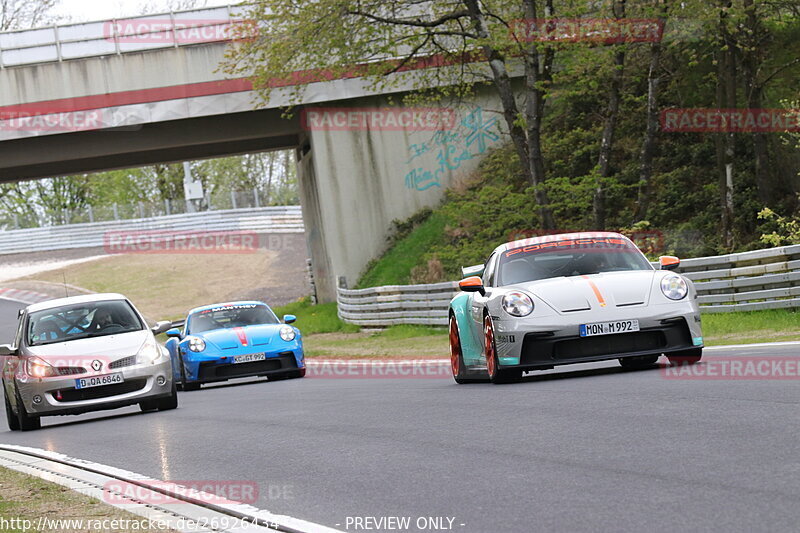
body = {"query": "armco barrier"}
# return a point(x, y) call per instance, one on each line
point(761, 279)
point(284, 219)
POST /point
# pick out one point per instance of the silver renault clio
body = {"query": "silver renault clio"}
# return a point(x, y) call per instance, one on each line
point(84, 353)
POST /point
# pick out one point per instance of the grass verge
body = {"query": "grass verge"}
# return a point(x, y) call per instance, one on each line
point(397, 342)
point(27, 498)
point(394, 267)
point(771, 325)
point(312, 319)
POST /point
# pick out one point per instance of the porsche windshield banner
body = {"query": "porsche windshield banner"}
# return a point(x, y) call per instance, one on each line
point(588, 242)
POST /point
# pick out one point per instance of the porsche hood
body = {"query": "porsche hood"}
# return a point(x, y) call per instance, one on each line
point(583, 293)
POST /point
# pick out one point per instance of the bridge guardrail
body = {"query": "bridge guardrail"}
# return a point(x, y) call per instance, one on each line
point(283, 219)
point(61, 42)
point(746, 281)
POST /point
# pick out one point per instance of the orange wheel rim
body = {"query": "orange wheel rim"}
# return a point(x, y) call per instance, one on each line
point(491, 362)
point(455, 347)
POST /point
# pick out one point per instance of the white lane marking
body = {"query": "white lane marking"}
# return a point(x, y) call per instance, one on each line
point(754, 345)
point(266, 516)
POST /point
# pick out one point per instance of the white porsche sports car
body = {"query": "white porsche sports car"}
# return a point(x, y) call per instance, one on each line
point(570, 298)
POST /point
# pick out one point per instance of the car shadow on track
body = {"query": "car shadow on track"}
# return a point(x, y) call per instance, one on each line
point(552, 375)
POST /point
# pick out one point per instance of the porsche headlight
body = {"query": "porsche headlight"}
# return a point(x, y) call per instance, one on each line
point(39, 368)
point(517, 304)
point(674, 287)
point(197, 344)
point(149, 352)
point(287, 333)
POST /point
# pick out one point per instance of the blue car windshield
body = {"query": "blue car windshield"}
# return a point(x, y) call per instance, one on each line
point(80, 321)
point(230, 316)
point(569, 257)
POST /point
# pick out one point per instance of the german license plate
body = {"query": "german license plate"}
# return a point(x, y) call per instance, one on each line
point(249, 358)
point(608, 328)
point(99, 381)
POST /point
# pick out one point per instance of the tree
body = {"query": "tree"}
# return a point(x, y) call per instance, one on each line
point(21, 14)
point(330, 38)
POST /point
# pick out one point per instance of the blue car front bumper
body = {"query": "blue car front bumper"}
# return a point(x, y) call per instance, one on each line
point(202, 368)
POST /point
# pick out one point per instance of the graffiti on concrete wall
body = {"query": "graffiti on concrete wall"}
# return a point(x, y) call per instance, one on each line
point(473, 136)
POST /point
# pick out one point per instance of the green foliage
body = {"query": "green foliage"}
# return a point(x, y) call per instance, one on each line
point(414, 238)
point(321, 318)
point(786, 230)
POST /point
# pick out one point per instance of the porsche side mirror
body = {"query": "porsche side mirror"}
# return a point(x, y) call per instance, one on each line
point(174, 332)
point(288, 319)
point(7, 349)
point(161, 326)
point(472, 284)
point(669, 262)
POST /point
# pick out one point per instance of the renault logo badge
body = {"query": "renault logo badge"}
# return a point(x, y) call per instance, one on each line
point(96, 365)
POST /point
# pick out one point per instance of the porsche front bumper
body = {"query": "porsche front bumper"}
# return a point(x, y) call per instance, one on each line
point(549, 342)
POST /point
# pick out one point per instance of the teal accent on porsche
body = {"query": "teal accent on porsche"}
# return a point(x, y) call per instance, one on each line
point(471, 352)
point(698, 341)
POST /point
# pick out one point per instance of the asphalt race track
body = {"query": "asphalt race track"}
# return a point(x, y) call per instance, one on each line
point(584, 448)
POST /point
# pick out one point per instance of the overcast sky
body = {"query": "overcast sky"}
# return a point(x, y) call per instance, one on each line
point(89, 10)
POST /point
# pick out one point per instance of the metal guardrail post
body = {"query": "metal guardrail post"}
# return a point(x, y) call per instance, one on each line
point(167, 206)
point(58, 42)
point(233, 199)
point(116, 211)
point(255, 196)
point(90, 212)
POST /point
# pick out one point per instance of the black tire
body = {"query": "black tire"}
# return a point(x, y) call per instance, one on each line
point(11, 417)
point(170, 402)
point(26, 422)
point(637, 363)
point(185, 385)
point(148, 405)
point(297, 374)
point(685, 357)
point(457, 365)
point(496, 374)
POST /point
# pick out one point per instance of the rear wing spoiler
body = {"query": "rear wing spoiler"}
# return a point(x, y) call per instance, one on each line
point(475, 270)
point(179, 323)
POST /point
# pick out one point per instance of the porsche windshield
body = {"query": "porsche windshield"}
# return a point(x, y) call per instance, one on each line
point(231, 316)
point(570, 257)
point(80, 321)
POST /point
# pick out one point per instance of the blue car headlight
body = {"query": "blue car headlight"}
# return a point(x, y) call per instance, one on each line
point(197, 344)
point(287, 333)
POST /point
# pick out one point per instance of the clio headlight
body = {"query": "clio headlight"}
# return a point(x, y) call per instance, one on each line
point(197, 344)
point(287, 333)
point(39, 368)
point(517, 304)
point(149, 352)
point(674, 287)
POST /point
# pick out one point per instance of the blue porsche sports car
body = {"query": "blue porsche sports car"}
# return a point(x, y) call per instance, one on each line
point(234, 340)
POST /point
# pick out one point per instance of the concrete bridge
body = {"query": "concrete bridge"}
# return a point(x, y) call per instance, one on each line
point(114, 94)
